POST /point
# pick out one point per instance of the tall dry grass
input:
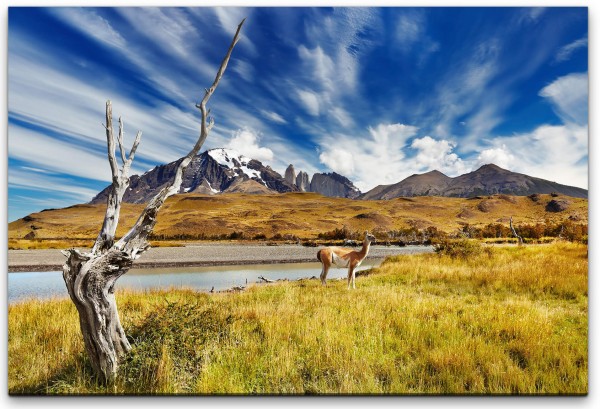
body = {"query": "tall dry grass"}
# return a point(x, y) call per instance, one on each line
point(511, 320)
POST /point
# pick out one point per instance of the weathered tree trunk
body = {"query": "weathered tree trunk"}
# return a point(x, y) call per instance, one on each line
point(514, 232)
point(90, 281)
point(90, 277)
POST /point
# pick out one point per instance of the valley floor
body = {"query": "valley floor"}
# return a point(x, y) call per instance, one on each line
point(200, 255)
point(507, 320)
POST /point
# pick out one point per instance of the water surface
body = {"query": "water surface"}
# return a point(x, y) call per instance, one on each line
point(50, 284)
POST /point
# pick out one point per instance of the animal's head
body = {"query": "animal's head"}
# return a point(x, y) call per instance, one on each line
point(369, 237)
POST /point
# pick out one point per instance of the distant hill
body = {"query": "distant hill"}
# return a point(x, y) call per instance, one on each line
point(427, 184)
point(305, 215)
point(487, 180)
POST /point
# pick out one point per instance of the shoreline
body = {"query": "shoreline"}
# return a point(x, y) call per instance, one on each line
point(199, 256)
point(154, 264)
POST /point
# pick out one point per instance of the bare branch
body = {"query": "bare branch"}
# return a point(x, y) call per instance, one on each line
point(138, 138)
point(514, 232)
point(111, 142)
point(120, 140)
point(211, 123)
point(135, 239)
point(120, 182)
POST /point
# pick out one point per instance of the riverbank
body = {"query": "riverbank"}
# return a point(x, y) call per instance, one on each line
point(201, 255)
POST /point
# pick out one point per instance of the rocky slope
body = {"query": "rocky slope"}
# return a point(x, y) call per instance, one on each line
point(302, 181)
point(427, 184)
point(290, 175)
point(226, 171)
point(487, 180)
point(214, 171)
point(333, 185)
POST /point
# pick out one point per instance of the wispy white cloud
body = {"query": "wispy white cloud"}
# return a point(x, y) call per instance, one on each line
point(56, 155)
point(92, 24)
point(245, 69)
point(320, 92)
point(58, 102)
point(273, 116)
point(52, 184)
point(168, 28)
point(530, 15)
point(469, 94)
point(565, 52)
point(310, 101)
point(411, 34)
point(321, 66)
point(339, 38)
point(554, 152)
point(19, 202)
point(246, 142)
point(569, 97)
point(229, 18)
point(331, 62)
point(534, 13)
point(80, 113)
point(409, 29)
point(342, 116)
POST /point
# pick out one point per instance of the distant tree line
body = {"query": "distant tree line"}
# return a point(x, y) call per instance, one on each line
point(568, 230)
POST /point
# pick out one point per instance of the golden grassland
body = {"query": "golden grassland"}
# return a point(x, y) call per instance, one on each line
point(303, 215)
point(510, 320)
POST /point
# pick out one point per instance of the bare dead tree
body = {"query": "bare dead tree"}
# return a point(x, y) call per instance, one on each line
point(90, 277)
point(514, 232)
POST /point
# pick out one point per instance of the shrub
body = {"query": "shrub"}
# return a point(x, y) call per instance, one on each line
point(236, 235)
point(461, 248)
point(340, 234)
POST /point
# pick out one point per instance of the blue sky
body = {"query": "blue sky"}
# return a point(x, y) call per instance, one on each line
point(375, 94)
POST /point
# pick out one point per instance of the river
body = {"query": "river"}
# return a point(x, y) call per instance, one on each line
point(50, 284)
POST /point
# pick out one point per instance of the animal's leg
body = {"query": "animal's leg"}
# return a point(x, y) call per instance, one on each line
point(350, 275)
point(324, 274)
point(353, 279)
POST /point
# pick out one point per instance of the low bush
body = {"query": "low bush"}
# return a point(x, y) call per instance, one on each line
point(461, 248)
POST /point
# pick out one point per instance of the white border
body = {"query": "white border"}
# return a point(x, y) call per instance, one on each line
point(592, 400)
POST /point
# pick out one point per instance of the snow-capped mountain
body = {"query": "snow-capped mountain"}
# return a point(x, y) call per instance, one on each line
point(214, 171)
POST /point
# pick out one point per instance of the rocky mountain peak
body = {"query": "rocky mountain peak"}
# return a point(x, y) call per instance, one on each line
point(333, 184)
point(290, 174)
point(302, 181)
point(214, 171)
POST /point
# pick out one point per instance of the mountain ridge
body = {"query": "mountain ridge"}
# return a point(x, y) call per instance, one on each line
point(489, 179)
point(223, 170)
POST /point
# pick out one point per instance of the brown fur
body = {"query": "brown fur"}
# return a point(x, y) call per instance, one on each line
point(346, 256)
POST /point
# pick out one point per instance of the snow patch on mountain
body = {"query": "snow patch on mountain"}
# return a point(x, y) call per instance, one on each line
point(234, 160)
point(212, 189)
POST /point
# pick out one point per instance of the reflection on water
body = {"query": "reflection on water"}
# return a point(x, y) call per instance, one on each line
point(43, 285)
